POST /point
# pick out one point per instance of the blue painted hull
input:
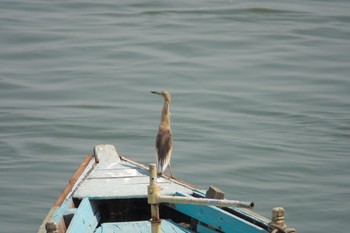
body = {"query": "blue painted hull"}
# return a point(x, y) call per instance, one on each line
point(108, 193)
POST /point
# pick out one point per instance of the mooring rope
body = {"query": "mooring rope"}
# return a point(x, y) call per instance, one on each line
point(279, 229)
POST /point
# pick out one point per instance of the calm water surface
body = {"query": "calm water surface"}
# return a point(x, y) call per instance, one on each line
point(261, 99)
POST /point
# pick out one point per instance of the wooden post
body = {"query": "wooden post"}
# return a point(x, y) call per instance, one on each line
point(278, 216)
point(153, 193)
point(277, 221)
point(51, 227)
point(214, 193)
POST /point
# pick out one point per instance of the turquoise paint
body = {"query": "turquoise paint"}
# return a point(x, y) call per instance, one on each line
point(140, 227)
point(252, 216)
point(217, 218)
point(61, 210)
point(98, 230)
point(202, 193)
point(203, 229)
point(112, 178)
point(85, 219)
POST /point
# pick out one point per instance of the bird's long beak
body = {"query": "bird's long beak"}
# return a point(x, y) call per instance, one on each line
point(156, 92)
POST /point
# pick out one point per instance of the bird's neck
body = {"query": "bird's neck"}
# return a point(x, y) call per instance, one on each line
point(165, 122)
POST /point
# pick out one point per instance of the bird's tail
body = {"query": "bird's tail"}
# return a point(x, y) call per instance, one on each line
point(161, 166)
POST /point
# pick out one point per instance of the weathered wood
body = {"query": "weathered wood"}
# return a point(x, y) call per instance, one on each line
point(278, 216)
point(128, 187)
point(173, 179)
point(244, 213)
point(203, 201)
point(68, 215)
point(115, 177)
point(106, 154)
point(277, 222)
point(214, 193)
point(116, 173)
point(217, 218)
point(153, 191)
point(72, 181)
point(62, 208)
point(42, 228)
point(85, 219)
point(68, 189)
point(51, 227)
point(140, 227)
point(205, 229)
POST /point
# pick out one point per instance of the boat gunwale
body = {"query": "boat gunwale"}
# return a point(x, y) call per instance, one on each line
point(69, 189)
point(89, 164)
point(173, 179)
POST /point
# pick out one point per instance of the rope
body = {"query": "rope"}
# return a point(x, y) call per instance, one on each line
point(279, 229)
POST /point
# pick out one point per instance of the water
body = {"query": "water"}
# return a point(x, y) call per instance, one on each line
point(261, 99)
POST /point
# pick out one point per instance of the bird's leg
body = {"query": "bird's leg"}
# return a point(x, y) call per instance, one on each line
point(159, 171)
point(171, 172)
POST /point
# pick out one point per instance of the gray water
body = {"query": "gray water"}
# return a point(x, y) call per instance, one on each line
point(261, 99)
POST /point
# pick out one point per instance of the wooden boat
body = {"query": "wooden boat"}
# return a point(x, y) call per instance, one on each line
point(110, 194)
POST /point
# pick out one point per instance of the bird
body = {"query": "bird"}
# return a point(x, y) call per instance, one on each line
point(164, 141)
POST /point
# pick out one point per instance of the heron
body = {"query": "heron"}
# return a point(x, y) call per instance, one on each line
point(164, 141)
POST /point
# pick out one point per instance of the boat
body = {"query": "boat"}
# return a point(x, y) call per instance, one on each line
point(110, 193)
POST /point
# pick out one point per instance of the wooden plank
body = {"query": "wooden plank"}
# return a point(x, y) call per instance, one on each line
point(85, 219)
point(56, 216)
point(140, 227)
point(68, 215)
point(120, 165)
point(125, 188)
point(257, 217)
point(115, 173)
point(125, 180)
point(98, 230)
point(214, 193)
point(217, 218)
point(73, 180)
point(48, 217)
point(142, 166)
point(106, 154)
point(116, 177)
point(203, 229)
point(243, 213)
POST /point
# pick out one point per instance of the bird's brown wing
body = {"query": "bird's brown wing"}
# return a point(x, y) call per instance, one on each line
point(164, 144)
